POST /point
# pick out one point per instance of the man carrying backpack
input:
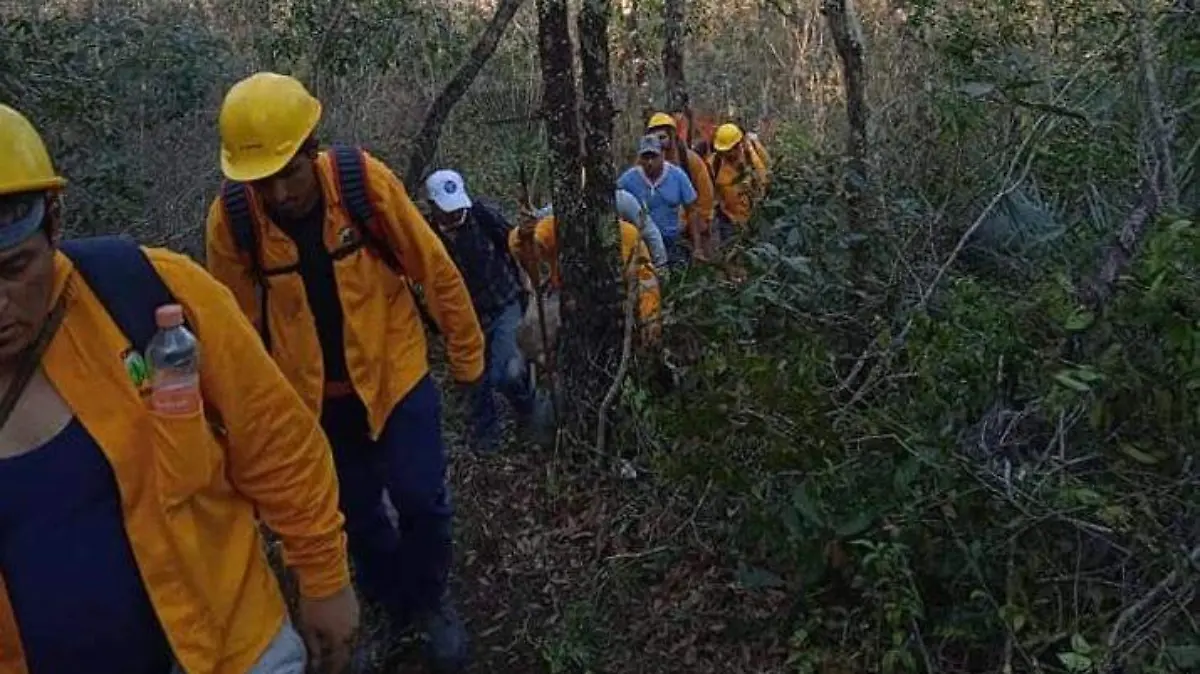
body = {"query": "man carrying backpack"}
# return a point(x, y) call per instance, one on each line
point(318, 247)
point(129, 539)
point(477, 238)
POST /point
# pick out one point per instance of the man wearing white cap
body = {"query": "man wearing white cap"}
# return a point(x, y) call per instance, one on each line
point(476, 237)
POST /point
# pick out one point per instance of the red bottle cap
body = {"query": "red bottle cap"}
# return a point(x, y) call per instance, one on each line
point(169, 316)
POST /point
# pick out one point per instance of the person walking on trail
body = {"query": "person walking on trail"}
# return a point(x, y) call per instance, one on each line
point(699, 215)
point(635, 263)
point(317, 247)
point(740, 180)
point(666, 190)
point(477, 238)
point(129, 538)
point(633, 211)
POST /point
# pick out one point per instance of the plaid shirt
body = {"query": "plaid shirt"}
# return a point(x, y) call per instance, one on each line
point(480, 250)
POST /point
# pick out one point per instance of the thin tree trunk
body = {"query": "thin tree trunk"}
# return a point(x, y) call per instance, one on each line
point(848, 39)
point(674, 17)
point(426, 142)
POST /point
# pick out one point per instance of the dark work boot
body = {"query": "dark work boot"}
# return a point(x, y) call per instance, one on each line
point(447, 642)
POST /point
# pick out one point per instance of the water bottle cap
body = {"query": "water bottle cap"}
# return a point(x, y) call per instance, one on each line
point(169, 316)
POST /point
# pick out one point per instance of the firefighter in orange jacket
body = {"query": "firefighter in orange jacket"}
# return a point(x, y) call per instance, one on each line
point(635, 262)
point(740, 177)
point(129, 541)
point(346, 331)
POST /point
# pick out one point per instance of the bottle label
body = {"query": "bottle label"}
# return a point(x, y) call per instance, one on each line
point(177, 400)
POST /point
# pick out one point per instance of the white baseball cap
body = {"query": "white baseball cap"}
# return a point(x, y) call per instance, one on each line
point(448, 191)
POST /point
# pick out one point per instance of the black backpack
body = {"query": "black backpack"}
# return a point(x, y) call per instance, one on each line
point(351, 174)
point(121, 276)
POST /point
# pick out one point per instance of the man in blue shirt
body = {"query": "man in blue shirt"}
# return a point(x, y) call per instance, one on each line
point(665, 189)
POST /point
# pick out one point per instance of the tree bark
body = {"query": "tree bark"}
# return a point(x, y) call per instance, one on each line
point(426, 143)
point(848, 40)
point(674, 17)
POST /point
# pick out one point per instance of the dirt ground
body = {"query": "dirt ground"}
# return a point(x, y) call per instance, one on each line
point(563, 568)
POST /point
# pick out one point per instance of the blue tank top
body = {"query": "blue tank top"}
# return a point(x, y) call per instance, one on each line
point(71, 577)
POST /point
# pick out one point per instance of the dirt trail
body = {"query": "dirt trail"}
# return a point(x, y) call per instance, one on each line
point(581, 572)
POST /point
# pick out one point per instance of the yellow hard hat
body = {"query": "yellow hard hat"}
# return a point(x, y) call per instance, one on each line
point(26, 165)
point(726, 137)
point(264, 120)
point(660, 119)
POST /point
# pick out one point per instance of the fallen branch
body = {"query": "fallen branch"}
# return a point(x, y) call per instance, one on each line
point(1133, 611)
point(622, 369)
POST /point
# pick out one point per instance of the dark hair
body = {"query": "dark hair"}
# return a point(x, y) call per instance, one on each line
point(310, 145)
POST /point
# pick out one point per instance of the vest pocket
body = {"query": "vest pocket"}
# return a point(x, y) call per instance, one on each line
point(187, 457)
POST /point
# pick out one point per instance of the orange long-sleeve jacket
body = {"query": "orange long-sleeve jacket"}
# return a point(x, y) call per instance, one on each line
point(385, 346)
point(190, 499)
point(740, 181)
point(698, 172)
point(635, 258)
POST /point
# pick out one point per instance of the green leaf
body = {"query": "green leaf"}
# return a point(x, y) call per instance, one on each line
point(1065, 378)
point(1185, 657)
point(757, 579)
point(1080, 319)
point(855, 526)
point(1075, 662)
point(977, 89)
point(1080, 645)
point(1138, 455)
point(805, 506)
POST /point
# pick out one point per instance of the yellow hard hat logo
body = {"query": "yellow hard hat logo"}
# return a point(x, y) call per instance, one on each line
point(25, 165)
point(264, 120)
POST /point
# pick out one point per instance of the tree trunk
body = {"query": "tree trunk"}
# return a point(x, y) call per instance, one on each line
point(848, 39)
point(636, 63)
point(583, 194)
point(674, 16)
point(426, 142)
point(596, 260)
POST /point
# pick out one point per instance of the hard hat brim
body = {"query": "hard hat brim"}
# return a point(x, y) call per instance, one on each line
point(53, 184)
point(723, 147)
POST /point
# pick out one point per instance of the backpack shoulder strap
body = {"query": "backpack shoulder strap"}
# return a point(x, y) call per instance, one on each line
point(351, 169)
point(118, 272)
point(235, 199)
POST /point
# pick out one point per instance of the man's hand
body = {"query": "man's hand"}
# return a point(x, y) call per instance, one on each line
point(329, 626)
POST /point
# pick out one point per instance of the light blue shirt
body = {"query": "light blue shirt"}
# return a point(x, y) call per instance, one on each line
point(663, 198)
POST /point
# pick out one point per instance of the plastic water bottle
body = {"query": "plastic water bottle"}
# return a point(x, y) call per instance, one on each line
point(174, 359)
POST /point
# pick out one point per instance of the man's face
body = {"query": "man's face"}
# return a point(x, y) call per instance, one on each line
point(26, 285)
point(447, 222)
point(665, 136)
point(651, 163)
point(293, 192)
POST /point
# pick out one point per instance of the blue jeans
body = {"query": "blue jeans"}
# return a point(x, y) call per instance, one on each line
point(404, 569)
point(505, 371)
point(677, 254)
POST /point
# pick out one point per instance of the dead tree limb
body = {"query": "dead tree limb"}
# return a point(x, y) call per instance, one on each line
point(1156, 110)
point(1117, 255)
point(426, 142)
